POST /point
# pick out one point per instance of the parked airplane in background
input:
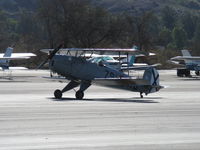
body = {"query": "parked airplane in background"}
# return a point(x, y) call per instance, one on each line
point(9, 55)
point(189, 63)
point(83, 72)
point(113, 60)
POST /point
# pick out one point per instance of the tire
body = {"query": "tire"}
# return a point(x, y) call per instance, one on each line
point(58, 94)
point(197, 73)
point(179, 73)
point(79, 95)
point(187, 73)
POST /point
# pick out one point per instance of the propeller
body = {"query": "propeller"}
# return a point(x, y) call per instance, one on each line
point(52, 54)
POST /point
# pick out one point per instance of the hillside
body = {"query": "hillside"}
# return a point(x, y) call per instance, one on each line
point(148, 5)
point(117, 6)
point(13, 7)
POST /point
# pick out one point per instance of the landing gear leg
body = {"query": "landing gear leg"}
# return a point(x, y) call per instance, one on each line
point(141, 96)
point(72, 84)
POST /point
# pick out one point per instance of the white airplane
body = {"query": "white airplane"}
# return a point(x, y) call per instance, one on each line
point(9, 55)
point(190, 63)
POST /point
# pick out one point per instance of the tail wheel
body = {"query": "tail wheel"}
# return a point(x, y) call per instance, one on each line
point(79, 95)
point(197, 73)
point(58, 94)
point(141, 96)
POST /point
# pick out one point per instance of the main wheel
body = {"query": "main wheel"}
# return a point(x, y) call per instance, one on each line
point(179, 73)
point(58, 94)
point(141, 96)
point(187, 73)
point(79, 95)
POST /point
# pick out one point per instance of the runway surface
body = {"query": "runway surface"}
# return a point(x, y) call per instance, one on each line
point(108, 119)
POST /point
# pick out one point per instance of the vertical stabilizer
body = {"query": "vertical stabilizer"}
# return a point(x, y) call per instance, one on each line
point(152, 75)
point(186, 53)
point(132, 60)
point(8, 52)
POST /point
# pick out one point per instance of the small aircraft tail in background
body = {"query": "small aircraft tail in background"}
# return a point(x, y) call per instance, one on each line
point(188, 63)
point(186, 53)
point(4, 63)
point(8, 52)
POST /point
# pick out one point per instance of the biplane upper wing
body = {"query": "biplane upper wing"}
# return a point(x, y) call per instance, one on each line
point(121, 50)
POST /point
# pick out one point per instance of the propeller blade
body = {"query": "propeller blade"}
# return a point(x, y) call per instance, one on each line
point(52, 54)
point(55, 51)
point(42, 64)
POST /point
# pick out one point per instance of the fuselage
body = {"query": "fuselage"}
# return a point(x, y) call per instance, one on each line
point(80, 68)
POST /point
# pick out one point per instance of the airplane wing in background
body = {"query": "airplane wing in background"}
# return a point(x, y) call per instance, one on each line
point(139, 67)
point(179, 58)
point(22, 55)
point(16, 56)
point(15, 68)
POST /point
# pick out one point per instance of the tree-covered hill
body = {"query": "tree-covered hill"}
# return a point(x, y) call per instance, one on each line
point(14, 6)
point(164, 25)
point(148, 5)
point(118, 6)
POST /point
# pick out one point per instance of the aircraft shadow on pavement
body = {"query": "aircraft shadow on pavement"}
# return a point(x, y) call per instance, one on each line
point(117, 100)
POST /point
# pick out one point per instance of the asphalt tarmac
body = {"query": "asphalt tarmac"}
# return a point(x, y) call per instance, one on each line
point(107, 119)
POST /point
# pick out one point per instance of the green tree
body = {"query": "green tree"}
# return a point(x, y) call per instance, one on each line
point(179, 37)
point(143, 29)
point(189, 24)
point(196, 40)
point(165, 37)
point(168, 17)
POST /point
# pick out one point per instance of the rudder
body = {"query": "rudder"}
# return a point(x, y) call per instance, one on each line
point(152, 75)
